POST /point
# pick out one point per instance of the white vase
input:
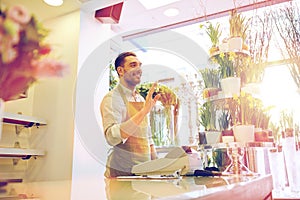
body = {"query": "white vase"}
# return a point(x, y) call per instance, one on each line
point(224, 47)
point(231, 86)
point(235, 44)
point(213, 137)
point(1, 115)
point(243, 133)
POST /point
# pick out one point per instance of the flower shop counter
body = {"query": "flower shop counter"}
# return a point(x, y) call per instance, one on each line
point(226, 187)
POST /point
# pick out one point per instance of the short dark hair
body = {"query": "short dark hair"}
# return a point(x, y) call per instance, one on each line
point(121, 58)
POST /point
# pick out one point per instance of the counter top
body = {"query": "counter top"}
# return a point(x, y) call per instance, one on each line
point(204, 188)
point(226, 187)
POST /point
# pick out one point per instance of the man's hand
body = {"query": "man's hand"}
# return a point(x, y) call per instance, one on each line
point(150, 101)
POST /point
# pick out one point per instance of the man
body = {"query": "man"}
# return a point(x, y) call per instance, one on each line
point(124, 117)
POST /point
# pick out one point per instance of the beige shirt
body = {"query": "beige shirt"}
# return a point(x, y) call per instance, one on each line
point(114, 114)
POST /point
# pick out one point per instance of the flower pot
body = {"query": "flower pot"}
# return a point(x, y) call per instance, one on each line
point(231, 86)
point(1, 115)
point(260, 135)
point(243, 133)
point(224, 47)
point(235, 44)
point(227, 136)
point(213, 137)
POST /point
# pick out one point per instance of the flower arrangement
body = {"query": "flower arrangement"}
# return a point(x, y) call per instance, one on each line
point(247, 110)
point(226, 64)
point(168, 97)
point(238, 25)
point(214, 34)
point(23, 53)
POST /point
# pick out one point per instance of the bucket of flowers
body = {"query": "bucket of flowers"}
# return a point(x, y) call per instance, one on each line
point(24, 55)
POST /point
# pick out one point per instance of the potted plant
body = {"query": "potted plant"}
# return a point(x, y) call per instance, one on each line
point(211, 79)
point(230, 84)
point(238, 28)
point(170, 103)
point(214, 34)
point(208, 120)
point(224, 124)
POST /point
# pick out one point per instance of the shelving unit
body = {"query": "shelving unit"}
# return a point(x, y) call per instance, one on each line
point(26, 121)
point(18, 153)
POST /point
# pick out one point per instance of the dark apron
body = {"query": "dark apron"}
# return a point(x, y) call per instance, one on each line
point(135, 150)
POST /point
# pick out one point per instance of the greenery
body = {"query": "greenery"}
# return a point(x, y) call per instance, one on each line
point(207, 116)
point(286, 119)
point(225, 63)
point(246, 110)
point(238, 25)
point(214, 34)
point(224, 120)
point(168, 98)
point(211, 77)
point(113, 77)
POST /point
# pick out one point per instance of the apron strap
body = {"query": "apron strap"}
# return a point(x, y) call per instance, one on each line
point(122, 94)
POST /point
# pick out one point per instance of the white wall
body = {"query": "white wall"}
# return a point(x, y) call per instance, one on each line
point(90, 148)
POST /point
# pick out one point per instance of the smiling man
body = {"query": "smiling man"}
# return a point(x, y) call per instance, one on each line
point(124, 118)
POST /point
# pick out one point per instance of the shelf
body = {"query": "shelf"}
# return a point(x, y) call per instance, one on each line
point(9, 177)
point(239, 52)
point(27, 121)
point(20, 153)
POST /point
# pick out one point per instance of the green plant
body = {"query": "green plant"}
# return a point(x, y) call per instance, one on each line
point(213, 32)
point(286, 119)
point(207, 116)
point(238, 25)
point(224, 120)
point(225, 63)
point(211, 77)
point(113, 77)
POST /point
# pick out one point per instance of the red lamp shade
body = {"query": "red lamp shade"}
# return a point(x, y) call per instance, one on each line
point(109, 15)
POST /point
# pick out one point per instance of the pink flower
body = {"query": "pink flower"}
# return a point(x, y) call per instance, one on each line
point(18, 14)
point(49, 68)
point(9, 55)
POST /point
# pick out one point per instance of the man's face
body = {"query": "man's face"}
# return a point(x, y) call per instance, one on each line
point(132, 71)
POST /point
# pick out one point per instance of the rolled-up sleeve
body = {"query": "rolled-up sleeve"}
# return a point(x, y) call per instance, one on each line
point(114, 120)
point(111, 119)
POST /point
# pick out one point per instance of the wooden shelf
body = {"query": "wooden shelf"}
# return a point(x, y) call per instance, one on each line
point(27, 121)
point(20, 153)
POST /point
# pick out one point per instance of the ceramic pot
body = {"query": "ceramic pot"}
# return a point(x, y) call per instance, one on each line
point(235, 44)
point(224, 47)
point(243, 133)
point(213, 137)
point(231, 86)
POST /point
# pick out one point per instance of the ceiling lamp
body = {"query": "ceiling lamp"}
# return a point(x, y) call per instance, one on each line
point(171, 12)
point(148, 4)
point(54, 2)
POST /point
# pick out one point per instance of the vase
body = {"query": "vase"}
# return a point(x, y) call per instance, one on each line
point(224, 47)
point(231, 86)
point(1, 115)
point(213, 137)
point(235, 44)
point(243, 133)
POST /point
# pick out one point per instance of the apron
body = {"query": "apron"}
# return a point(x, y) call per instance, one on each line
point(135, 150)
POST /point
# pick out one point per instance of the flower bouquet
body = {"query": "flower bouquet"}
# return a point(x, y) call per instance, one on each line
point(24, 57)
